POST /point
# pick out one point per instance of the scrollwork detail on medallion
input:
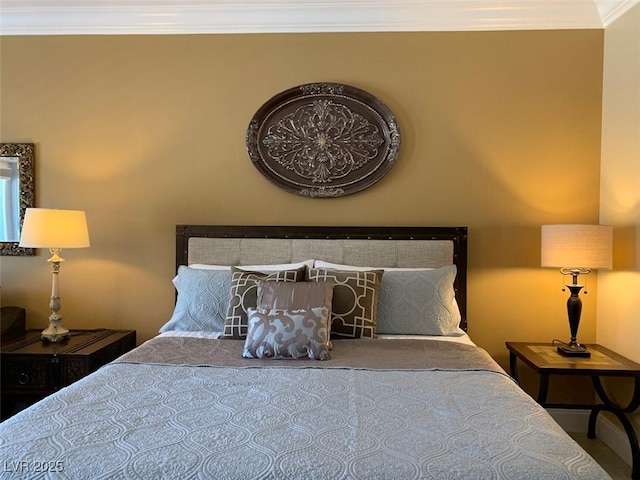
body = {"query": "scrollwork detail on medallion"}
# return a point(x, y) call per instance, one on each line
point(322, 89)
point(323, 141)
point(322, 192)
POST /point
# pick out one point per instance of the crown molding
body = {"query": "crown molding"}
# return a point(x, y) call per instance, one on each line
point(611, 10)
point(113, 17)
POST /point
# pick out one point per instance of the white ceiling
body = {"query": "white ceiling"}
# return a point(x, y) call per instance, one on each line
point(111, 17)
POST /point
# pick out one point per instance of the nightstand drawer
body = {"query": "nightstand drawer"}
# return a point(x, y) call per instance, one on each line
point(74, 368)
point(26, 373)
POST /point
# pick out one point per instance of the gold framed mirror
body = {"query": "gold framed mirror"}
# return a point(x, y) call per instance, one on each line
point(17, 193)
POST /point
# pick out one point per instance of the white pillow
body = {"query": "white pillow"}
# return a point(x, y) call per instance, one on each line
point(338, 266)
point(255, 268)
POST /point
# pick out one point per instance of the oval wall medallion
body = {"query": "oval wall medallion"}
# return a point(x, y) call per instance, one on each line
point(323, 140)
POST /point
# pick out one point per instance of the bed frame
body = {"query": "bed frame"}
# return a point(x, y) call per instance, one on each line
point(362, 246)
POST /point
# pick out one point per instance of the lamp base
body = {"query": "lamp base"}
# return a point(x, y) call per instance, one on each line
point(574, 351)
point(54, 333)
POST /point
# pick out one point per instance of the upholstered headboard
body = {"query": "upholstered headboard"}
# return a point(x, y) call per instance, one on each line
point(361, 246)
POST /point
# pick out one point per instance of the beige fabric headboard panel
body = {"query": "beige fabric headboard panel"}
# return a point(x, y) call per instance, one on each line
point(373, 253)
point(361, 246)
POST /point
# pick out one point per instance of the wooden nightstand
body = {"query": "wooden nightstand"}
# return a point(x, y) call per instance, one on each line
point(33, 368)
point(546, 361)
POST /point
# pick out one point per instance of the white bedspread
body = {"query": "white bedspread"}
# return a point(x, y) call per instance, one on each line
point(169, 420)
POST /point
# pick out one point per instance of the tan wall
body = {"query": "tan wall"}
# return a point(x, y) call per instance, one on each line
point(618, 299)
point(500, 132)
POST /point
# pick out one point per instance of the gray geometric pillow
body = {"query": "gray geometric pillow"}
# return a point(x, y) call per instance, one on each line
point(288, 334)
point(419, 303)
point(203, 299)
point(355, 300)
point(244, 293)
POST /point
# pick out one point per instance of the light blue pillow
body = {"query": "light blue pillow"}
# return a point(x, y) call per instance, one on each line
point(419, 302)
point(203, 299)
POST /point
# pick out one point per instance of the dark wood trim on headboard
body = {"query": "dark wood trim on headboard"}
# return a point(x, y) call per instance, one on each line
point(458, 235)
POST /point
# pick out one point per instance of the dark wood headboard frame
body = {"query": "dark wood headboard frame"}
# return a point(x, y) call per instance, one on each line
point(457, 235)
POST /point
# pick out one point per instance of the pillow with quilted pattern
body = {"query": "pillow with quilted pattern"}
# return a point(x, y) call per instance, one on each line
point(419, 303)
point(203, 299)
point(355, 300)
point(244, 292)
point(287, 334)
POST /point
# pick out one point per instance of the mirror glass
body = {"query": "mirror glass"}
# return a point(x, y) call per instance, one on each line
point(16, 194)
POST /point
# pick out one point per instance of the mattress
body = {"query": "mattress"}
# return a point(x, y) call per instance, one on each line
point(182, 407)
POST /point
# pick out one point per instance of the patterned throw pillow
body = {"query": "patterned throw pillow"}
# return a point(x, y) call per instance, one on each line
point(203, 299)
point(419, 303)
point(355, 301)
point(244, 292)
point(287, 334)
point(296, 296)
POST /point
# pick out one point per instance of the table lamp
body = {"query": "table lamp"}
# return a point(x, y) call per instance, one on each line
point(55, 230)
point(576, 250)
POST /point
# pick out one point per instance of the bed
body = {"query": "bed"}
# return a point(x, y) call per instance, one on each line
point(306, 385)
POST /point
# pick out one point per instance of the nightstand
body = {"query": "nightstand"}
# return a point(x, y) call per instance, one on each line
point(546, 361)
point(33, 368)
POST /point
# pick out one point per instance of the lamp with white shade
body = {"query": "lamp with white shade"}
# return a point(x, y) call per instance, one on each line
point(55, 230)
point(576, 250)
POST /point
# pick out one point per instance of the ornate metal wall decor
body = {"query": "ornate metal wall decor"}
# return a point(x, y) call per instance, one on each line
point(323, 140)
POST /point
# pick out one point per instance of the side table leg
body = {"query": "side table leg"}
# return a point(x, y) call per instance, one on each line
point(544, 378)
point(513, 366)
point(543, 389)
point(593, 417)
point(620, 413)
point(628, 428)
